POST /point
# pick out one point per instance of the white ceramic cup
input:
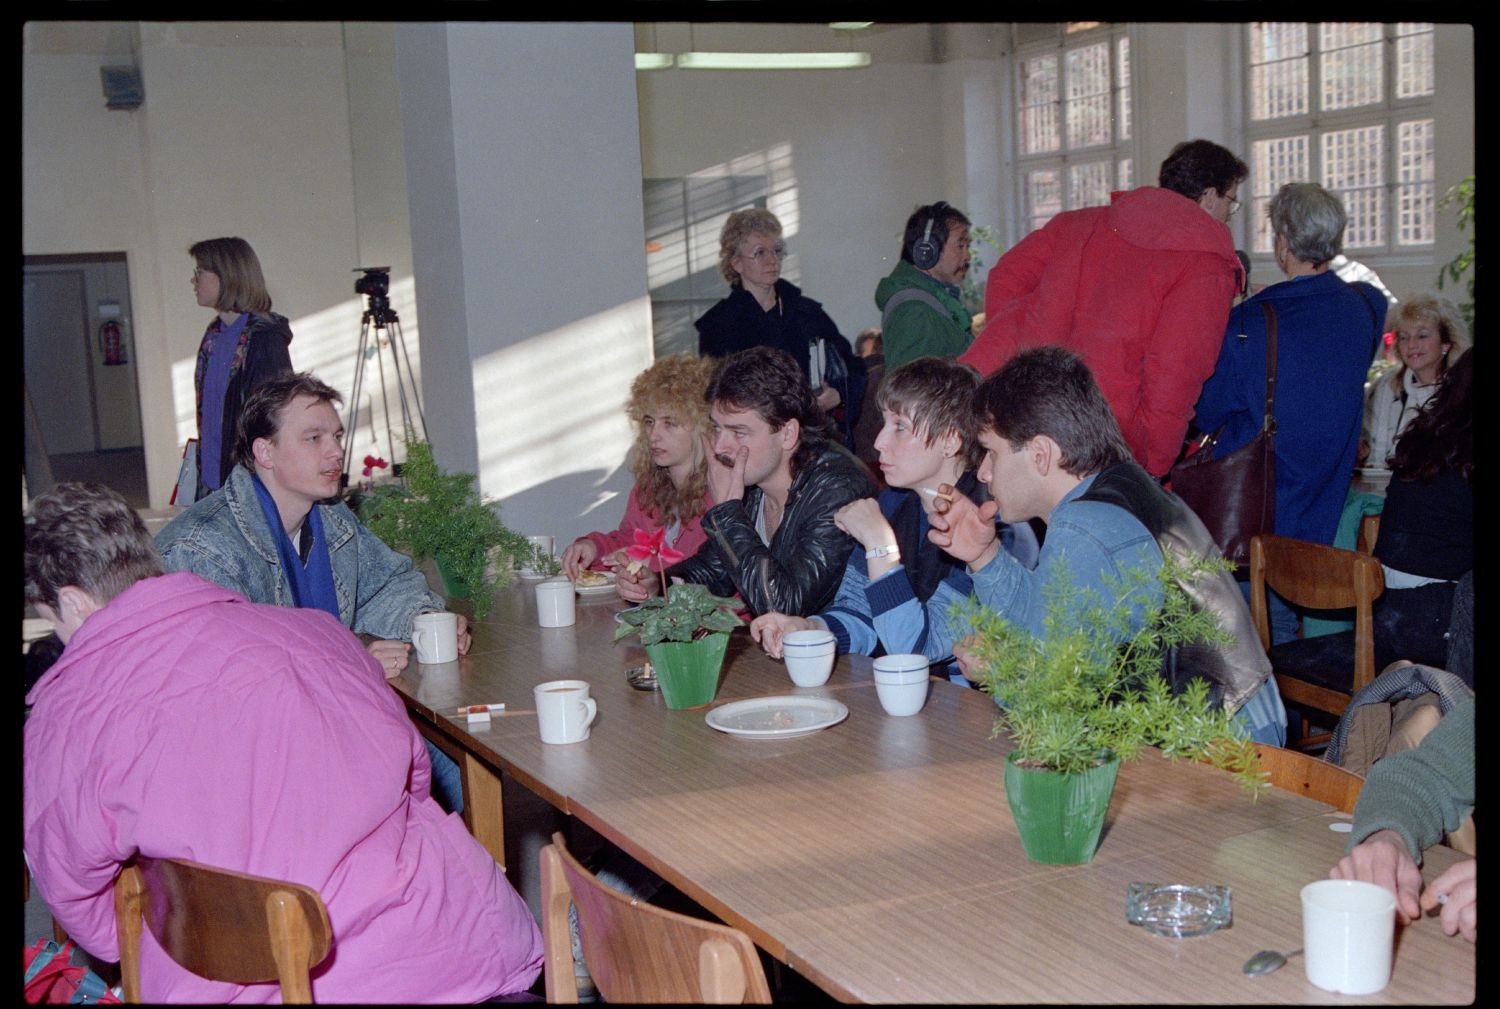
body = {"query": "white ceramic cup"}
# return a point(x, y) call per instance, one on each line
point(564, 710)
point(554, 603)
point(903, 663)
point(1348, 932)
point(434, 637)
point(809, 656)
point(902, 698)
point(545, 542)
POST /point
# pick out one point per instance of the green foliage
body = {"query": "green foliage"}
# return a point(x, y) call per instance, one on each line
point(435, 514)
point(972, 291)
point(544, 561)
point(688, 612)
point(1092, 684)
point(1462, 195)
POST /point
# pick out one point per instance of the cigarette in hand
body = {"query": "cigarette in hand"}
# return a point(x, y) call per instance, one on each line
point(931, 492)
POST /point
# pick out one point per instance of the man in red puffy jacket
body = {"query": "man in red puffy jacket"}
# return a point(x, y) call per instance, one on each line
point(1139, 289)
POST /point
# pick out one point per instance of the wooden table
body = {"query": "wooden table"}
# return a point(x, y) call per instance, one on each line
point(878, 858)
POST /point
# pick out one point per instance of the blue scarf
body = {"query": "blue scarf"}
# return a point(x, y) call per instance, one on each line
point(311, 583)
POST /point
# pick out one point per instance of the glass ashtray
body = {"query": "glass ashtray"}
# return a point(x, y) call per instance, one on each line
point(1177, 909)
point(642, 677)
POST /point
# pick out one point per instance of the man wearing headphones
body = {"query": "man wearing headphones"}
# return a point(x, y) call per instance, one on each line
point(921, 305)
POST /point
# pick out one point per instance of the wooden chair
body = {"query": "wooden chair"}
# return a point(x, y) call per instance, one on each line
point(1295, 771)
point(1369, 532)
point(221, 925)
point(636, 952)
point(1311, 672)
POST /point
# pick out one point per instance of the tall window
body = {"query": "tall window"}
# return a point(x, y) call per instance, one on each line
point(1349, 106)
point(1073, 115)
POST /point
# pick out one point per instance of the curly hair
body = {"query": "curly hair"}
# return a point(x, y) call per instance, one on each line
point(84, 534)
point(1443, 314)
point(1441, 436)
point(672, 387)
point(769, 381)
point(738, 227)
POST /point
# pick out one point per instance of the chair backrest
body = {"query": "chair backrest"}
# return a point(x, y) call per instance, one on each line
point(636, 952)
point(1294, 771)
point(1321, 578)
point(221, 925)
point(1369, 532)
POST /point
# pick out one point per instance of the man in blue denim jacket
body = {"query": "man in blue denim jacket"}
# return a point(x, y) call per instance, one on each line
point(1053, 450)
point(276, 533)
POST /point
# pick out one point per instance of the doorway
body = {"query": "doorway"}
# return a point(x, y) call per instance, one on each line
point(83, 417)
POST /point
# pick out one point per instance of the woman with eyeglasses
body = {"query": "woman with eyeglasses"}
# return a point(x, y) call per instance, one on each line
point(1326, 334)
point(762, 309)
point(245, 344)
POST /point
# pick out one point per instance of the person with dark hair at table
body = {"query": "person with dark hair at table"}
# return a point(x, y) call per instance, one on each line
point(277, 533)
point(245, 344)
point(253, 738)
point(777, 474)
point(1053, 451)
point(1140, 289)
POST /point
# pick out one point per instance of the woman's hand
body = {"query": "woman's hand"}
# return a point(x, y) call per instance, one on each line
point(828, 397)
point(578, 557)
point(636, 586)
point(862, 519)
point(770, 628)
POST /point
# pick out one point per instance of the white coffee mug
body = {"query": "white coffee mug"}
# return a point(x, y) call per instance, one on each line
point(434, 636)
point(554, 603)
point(544, 543)
point(1348, 931)
point(564, 710)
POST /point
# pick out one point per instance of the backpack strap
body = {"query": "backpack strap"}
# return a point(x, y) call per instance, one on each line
point(910, 294)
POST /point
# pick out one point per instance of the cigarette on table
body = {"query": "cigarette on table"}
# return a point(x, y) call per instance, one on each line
point(474, 709)
point(931, 492)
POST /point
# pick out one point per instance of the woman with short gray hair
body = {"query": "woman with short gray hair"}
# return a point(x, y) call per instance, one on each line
point(1327, 332)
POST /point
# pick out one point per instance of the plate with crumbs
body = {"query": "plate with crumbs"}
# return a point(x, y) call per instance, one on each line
point(781, 717)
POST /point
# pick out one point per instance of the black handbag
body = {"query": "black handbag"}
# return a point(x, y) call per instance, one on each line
point(1235, 496)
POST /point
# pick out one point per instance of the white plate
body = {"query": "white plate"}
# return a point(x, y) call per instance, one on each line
point(607, 589)
point(779, 717)
point(528, 575)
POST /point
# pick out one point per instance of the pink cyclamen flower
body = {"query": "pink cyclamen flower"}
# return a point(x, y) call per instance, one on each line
point(649, 545)
point(374, 462)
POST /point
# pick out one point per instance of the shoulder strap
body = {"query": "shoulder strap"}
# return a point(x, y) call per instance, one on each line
point(1270, 420)
point(910, 294)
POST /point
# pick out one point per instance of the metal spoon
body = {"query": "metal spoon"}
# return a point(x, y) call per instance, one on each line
point(1266, 961)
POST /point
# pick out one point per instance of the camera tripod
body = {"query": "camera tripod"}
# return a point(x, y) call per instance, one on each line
point(380, 326)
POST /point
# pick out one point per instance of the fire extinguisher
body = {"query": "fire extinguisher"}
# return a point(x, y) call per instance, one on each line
point(111, 343)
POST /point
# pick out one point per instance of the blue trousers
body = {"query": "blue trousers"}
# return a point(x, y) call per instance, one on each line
point(447, 782)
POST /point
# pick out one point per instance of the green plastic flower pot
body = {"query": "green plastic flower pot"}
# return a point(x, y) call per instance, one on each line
point(1059, 816)
point(688, 670)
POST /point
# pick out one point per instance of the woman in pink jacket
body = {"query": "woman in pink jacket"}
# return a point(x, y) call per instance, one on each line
point(671, 491)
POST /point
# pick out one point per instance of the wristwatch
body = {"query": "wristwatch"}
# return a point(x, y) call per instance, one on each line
point(882, 551)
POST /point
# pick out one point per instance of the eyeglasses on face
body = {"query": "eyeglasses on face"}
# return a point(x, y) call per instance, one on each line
point(762, 253)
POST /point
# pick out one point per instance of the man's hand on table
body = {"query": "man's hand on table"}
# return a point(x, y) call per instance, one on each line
point(465, 639)
point(392, 655)
point(1382, 859)
point(770, 628)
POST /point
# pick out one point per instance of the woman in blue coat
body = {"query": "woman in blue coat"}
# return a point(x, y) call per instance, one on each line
point(1327, 332)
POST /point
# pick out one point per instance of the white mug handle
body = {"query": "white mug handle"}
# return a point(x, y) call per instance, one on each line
point(416, 639)
point(592, 708)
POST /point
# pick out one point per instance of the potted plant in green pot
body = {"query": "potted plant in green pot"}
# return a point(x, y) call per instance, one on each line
point(431, 513)
point(685, 631)
point(1090, 694)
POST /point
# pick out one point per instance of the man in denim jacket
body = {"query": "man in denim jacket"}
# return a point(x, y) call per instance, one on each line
point(1053, 450)
point(276, 532)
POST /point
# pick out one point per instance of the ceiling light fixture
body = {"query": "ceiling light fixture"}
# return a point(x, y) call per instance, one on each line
point(849, 26)
point(653, 61)
point(772, 61)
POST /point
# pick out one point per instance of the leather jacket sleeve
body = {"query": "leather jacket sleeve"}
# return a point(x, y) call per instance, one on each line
point(799, 572)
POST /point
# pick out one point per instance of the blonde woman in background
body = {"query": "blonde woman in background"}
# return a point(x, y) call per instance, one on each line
point(670, 417)
point(1430, 334)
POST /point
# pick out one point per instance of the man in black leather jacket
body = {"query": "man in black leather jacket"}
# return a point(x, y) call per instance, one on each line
point(776, 475)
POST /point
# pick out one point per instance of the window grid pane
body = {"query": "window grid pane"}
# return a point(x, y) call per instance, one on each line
point(1354, 168)
point(1039, 98)
point(1278, 70)
point(1088, 185)
point(1415, 183)
point(1125, 174)
point(1414, 70)
point(1352, 71)
point(1122, 83)
point(1043, 195)
point(1087, 83)
point(1273, 163)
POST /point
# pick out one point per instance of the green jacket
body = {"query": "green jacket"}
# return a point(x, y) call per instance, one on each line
point(915, 328)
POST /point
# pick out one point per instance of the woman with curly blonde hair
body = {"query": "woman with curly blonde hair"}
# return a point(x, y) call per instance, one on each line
point(1430, 333)
point(670, 417)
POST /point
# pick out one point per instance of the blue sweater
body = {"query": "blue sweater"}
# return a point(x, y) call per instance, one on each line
point(1327, 332)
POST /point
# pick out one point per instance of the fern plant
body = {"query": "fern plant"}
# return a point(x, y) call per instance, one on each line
point(434, 514)
point(1091, 685)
